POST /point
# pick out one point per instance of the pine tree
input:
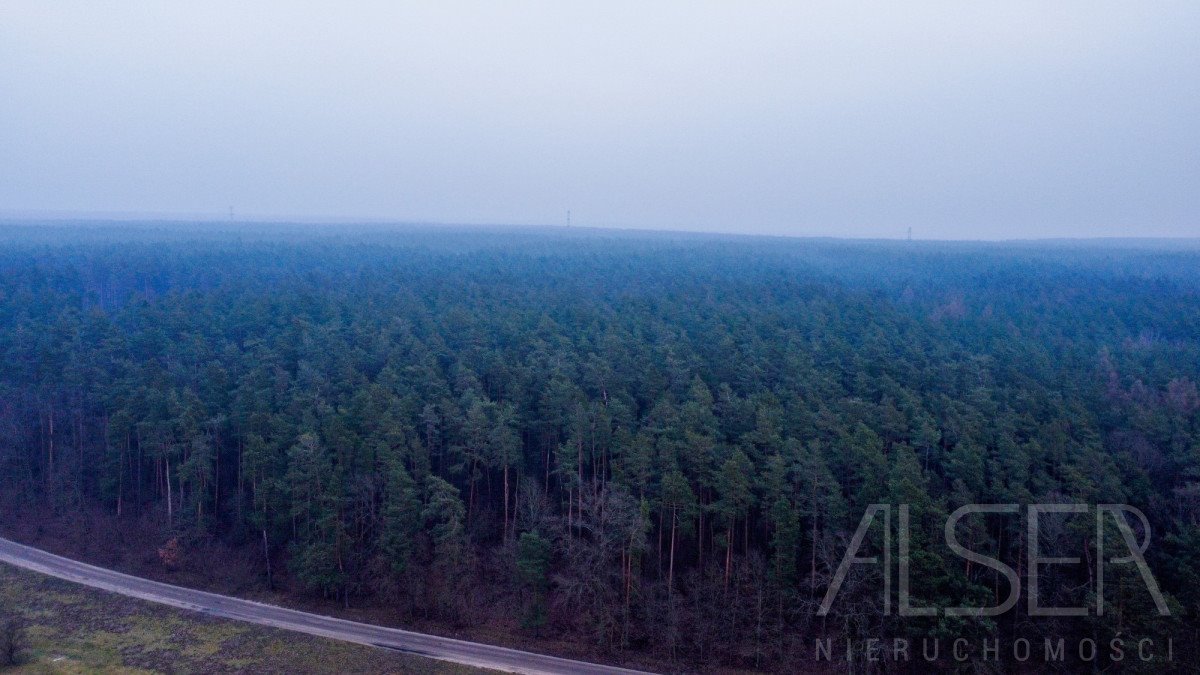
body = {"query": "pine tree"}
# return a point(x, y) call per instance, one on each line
point(678, 500)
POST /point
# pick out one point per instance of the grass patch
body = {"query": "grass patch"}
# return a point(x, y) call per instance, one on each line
point(73, 629)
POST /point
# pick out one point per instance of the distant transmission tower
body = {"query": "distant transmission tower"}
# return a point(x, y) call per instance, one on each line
point(910, 234)
point(231, 214)
point(568, 217)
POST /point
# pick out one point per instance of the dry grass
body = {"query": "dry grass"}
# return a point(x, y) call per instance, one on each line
point(73, 629)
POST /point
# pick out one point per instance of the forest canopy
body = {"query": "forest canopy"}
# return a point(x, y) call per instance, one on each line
point(646, 443)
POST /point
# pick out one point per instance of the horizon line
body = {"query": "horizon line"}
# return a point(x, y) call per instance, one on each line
point(37, 217)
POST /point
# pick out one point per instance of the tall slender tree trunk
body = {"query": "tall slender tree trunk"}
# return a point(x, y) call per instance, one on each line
point(671, 565)
point(79, 448)
point(267, 557)
point(516, 505)
point(471, 500)
point(50, 455)
point(626, 574)
point(813, 559)
point(216, 470)
point(170, 508)
point(120, 479)
point(658, 559)
point(505, 528)
point(241, 475)
point(728, 554)
point(138, 476)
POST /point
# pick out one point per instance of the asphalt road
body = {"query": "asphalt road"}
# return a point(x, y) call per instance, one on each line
point(430, 646)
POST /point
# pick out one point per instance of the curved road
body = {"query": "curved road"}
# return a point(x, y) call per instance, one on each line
point(430, 646)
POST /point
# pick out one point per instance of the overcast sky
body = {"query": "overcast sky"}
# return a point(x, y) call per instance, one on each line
point(958, 119)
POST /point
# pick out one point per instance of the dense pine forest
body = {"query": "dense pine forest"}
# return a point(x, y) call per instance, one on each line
point(656, 446)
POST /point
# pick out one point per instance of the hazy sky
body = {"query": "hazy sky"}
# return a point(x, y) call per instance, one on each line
point(959, 119)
